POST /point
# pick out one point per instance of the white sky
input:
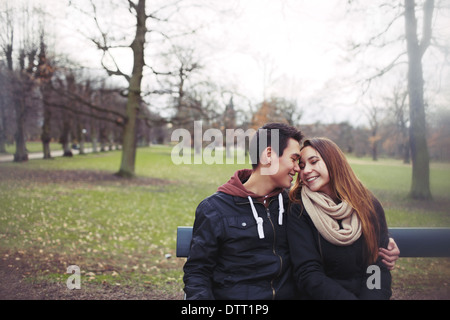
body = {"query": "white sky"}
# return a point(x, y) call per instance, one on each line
point(295, 44)
point(290, 48)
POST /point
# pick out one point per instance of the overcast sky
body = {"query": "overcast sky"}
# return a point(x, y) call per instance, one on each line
point(293, 48)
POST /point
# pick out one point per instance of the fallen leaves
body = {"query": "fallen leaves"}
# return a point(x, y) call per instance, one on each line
point(113, 231)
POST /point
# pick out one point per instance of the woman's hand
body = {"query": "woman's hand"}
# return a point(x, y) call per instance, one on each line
point(390, 255)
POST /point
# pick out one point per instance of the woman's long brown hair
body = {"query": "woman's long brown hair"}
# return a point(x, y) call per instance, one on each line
point(346, 187)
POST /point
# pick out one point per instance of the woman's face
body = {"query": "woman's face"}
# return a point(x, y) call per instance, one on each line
point(314, 172)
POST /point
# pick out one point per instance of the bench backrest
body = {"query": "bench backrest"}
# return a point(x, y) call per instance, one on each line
point(412, 242)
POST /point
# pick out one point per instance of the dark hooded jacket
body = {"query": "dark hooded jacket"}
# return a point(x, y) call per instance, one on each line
point(239, 247)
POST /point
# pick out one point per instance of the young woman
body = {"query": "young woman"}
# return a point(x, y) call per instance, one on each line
point(335, 229)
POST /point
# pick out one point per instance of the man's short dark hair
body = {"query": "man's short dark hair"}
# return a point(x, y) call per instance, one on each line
point(258, 144)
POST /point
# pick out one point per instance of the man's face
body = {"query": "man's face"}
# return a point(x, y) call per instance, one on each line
point(288, 164)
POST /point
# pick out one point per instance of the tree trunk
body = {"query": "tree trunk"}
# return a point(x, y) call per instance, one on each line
point(80, 136)
point(94, 135)
point(375, 151)
point(420, 187)
point(405, 148)
point(45, 136)
point(65, 139)
point(2, 129)
point(21, 150)
point(103, 138)
point(127, 166)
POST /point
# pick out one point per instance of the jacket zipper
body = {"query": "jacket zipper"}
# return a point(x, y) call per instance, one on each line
point(274, 252)
point(273, 247)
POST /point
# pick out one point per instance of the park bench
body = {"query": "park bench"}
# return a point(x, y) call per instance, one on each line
point(412, 242)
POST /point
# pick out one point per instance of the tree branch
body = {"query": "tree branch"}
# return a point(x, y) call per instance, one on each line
point(117, 121)
point(428, 8)
point(105, 47)
point(76, 97)
point(382, 71)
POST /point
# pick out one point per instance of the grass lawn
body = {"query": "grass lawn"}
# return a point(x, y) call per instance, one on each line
point(36, 146)
point(122, 234)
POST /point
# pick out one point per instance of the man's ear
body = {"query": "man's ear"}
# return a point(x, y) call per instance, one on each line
point(266, 156)
point(269, 162)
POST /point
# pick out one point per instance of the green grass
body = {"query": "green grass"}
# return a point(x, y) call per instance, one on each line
point(390, 181)
point(36, 146)
point(33, 146)
point(119, 233)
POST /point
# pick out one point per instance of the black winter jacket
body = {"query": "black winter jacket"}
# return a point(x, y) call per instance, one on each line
point(325, 271)
point(228, 260)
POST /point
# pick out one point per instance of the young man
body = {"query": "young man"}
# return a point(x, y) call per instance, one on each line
point(239, 248)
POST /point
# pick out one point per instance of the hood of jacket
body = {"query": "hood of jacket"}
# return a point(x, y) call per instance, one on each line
point(235, 186)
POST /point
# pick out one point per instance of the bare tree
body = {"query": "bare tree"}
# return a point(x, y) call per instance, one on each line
point(417, 43)
point(398, 109)
point(3, 121)
point(134, 80)
point(127, 165)
point(107, 43)
point(420, 187)
point(44, 74)
point(374, 112)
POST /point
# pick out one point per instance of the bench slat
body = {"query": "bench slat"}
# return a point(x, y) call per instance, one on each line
point(184, 236)
point(422, 242)
point(413, 242)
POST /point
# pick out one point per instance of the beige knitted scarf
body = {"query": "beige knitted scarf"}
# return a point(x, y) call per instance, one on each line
point(324, 213)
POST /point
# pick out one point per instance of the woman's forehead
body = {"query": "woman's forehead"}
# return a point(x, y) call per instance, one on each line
point(308, 152)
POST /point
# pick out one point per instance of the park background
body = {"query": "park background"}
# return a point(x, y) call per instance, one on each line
point(105, 83)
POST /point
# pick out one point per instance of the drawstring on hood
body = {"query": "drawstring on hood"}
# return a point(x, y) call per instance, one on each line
point(280, 209)
point(258, 219)
point(235, 187)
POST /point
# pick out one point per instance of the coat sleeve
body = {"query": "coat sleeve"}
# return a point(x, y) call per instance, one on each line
point(377, 282)
point(202, 259)
point(308, 270)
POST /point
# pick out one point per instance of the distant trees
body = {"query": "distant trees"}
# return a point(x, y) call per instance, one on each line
point(276, 109)
point(163, 84)
point(42, 95)
point(20, 87)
